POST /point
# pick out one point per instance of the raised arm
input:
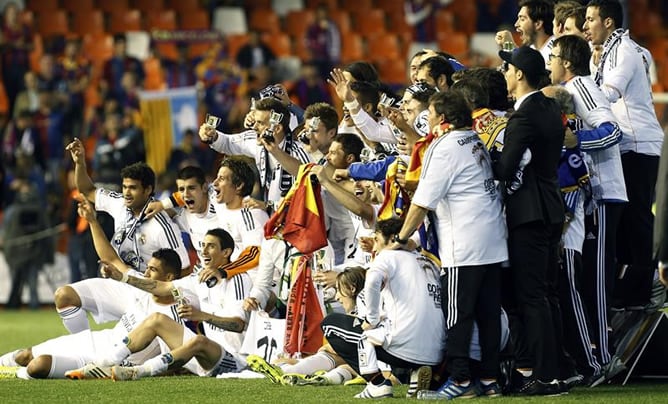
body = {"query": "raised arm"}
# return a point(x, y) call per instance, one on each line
point(102, 245)
point(82, 179)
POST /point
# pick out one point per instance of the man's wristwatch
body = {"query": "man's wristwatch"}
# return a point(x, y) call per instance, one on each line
point(402, 241)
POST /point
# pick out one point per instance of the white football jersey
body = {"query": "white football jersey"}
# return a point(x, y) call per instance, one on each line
point(246, 226)
point(405, 288)
point(136, 239)
point(196, 225)
point(458, 184)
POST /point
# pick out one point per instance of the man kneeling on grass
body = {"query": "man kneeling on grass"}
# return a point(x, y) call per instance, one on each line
point(221, 312)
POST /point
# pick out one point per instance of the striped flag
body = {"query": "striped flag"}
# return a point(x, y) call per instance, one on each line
point(165, 115)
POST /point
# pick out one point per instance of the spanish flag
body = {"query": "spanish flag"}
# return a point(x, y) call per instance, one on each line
point(396, 200)
point(300, 219)
point(303, 334)
point(415, 164)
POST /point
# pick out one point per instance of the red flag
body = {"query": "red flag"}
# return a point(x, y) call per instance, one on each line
point(302, 329)
point(300, 219)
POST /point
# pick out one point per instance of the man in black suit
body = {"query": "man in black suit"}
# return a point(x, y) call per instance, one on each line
point(535, 215)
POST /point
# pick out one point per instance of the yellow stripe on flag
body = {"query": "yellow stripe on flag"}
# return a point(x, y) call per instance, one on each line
point(156, 116)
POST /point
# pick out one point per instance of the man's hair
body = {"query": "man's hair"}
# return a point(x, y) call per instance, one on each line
point(564, 9)
point(575, 50)
point(609, 9)
point(170, 260)
point(350, 143)
point(224, 238)
point(242, 173)
point(352, 277)
point(438, 66)
point(192, 172)
point(327, 114)
point(120, 38)
point(389, 227)
point(494, 84)
point(366, 93)
point(141, 172)
point(540, 10)
point(473, 92)
point(363, 71)
point(453, 106)
point(577, 11)
point(269, 104)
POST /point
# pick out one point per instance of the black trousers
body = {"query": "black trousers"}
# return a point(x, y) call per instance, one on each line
point(634, 242)
point(344, 332)
point(575, 319)
point(600, 270)
point(471, 294)
point(531, 297)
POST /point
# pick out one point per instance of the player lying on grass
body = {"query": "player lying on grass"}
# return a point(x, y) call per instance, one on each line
point(223, 318)
point(52, 358)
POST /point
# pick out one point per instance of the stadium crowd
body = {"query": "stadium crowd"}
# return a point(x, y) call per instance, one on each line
point(466, 230)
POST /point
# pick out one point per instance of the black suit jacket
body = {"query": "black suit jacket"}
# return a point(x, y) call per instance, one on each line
point(536, 125)
point(245, 56)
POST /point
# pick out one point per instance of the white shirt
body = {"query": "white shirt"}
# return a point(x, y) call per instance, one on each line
point(223, 300)
point(592, 110)
point(405, 288)
point(627, 86)
point(375, 131)
point(134, 240)
point(196, 225)
point(458, 184)
point(545, 51)
point(245, 143)
point(246, 226)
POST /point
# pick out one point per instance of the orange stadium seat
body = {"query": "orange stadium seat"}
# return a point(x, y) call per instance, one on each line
point(154, 75)
point(234, 43)
point(4, 102)
point(264, 20)
point(88, 22)
point(128, 20)
point(342, 20)
point(166, 50)
point(300, 49)
point(466, 15)
point(73, 6)
point(196, 19)
point(42, 6)
point(445, 21)
point(279, 43)
point(164, 19)
point(392, 71)
point(397, 23)
point(148, 5)
point(384, 47)
point(37, 51)
point(455, 43)
point(199, 49)
point(352, 48)
point(184, 6)
point(369, 22)
point(97, 47)
point(356, 5)
point(113, 6)
point(53, 23)
point(298, 21)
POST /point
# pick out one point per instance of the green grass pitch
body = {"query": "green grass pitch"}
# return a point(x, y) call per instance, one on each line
point(24, 328)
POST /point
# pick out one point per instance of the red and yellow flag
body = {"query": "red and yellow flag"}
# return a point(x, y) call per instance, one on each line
point(300, 219)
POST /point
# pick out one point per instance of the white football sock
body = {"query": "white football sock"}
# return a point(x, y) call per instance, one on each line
point(74, 319)
point(115, 355)
point(310, 365)
point(338, 375)
point(155, 366)
point(60, 365)
point(8, 358)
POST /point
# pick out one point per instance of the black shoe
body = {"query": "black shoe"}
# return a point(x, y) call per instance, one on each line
point(530, 386)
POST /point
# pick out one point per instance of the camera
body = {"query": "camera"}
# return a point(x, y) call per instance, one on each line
point(271, 91)
point(386, 100)
point(310, 128)
point(275, 118)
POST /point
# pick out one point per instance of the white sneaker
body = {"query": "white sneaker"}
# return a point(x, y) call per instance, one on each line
point(383, 390)
point(420, 380)
point(123, 373)
point(90, 371)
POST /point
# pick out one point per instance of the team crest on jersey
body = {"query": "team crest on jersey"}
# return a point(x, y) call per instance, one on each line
point(142, 239)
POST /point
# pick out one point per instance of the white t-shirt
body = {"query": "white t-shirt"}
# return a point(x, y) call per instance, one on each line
point(196, 225)
point(246, 226)
point(405, 288)
point(592, 110)
point(136, 240)
point(223, 300)
point(626, 69)
point(458, 184)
